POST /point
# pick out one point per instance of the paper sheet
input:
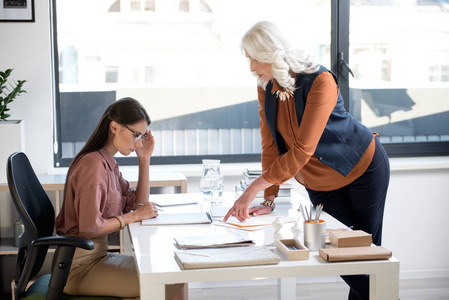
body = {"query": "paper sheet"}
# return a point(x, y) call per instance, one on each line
point(181, 218)
point(262, 220)
point(175, 201)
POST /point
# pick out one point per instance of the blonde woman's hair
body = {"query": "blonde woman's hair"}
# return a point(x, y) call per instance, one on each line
point(264, 42)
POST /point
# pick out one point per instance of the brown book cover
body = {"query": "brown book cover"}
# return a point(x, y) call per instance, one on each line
point(354, 253)
point(350, 238)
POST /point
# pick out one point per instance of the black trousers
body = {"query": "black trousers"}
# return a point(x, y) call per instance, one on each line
point(360, 205)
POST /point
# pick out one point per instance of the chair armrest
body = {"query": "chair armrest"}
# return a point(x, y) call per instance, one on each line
point(62, 240)
point(62, 260)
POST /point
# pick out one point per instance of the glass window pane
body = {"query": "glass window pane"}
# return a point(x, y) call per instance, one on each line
point(399, 53)
point(181, 60)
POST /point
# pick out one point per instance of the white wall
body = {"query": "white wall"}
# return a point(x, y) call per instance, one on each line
point(416, 220)
point(26, 48)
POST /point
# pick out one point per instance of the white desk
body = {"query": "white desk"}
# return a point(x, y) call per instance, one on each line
point(154, 246)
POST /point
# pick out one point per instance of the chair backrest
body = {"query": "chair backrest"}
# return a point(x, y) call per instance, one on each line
point(37, 214)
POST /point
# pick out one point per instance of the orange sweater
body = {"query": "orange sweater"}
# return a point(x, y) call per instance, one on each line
point(301, 141)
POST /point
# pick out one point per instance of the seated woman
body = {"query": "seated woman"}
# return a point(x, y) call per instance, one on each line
point(99, 201)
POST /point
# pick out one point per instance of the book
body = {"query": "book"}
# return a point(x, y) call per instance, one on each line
point(178, 219)
point(250, 176)
point(284, 190)
point(350, 238)
point(212, 240)
point(253, 172)
point(225, 257)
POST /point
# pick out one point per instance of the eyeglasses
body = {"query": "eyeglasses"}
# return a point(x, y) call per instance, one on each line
point(137, 135)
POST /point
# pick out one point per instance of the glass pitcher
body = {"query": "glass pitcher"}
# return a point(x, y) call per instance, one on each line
point(211, 183)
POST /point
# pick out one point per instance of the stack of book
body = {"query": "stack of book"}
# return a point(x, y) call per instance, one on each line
point(250, 175)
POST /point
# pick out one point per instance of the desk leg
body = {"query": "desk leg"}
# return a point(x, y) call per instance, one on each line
point(152, 292)
point(287, 288)
point(384, 286)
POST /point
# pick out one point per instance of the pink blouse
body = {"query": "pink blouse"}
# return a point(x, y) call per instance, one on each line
point(95, 191)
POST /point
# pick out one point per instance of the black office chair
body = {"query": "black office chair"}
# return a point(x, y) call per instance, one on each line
point(38, 216)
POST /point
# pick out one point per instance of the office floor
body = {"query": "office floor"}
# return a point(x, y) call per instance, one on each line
point(411, 289)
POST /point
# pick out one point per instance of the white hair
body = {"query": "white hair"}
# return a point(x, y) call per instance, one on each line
point(264, 42)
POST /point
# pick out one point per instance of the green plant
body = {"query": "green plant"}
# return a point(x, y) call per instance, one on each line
point(8, 92)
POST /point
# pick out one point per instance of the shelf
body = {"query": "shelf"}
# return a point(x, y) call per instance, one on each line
point(7, 246)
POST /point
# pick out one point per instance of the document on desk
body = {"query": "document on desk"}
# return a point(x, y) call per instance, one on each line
point(262, 220)
point(225, 257)
point(178, 219)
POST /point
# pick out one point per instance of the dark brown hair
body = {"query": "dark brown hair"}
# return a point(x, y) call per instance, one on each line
point(125, 111)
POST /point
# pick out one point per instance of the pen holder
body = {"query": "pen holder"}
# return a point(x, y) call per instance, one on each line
point(315, 235)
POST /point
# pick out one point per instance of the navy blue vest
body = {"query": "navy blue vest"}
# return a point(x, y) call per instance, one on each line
point(344, 139)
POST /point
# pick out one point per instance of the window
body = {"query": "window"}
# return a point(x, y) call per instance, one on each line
point(400, 54)
point(182, 60)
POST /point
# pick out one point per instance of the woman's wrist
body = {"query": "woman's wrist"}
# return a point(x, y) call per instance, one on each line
point(143, 160)
point(121, 221)
point(257, 185)
point(130, 217)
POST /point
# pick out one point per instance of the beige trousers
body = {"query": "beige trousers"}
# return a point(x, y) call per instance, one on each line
point(98, 272)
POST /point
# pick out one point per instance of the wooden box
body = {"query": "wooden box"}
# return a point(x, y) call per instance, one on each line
point(356, 238)
point(292, 249)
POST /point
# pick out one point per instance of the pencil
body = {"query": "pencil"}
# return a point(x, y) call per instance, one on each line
point(311, 206)
point(307, 214)
point(302, 211)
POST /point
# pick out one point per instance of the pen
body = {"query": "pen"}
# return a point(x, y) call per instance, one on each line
point(209, 216)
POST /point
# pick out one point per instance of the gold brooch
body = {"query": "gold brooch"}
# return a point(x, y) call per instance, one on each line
point(284, 95)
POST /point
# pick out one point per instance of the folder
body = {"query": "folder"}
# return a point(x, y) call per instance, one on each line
point(225, 257)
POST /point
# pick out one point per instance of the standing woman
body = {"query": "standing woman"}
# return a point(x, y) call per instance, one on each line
point(307, 134)
point(99, 201)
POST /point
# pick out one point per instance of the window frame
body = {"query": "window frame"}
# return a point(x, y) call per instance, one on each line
point(340, 18)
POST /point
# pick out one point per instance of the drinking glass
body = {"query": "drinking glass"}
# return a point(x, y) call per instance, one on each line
point(211, 183)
